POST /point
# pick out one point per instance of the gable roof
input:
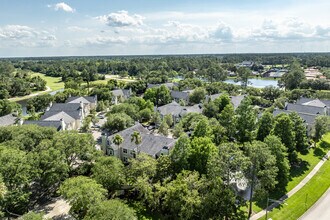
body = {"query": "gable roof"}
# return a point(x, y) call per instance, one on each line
point(57, 116)
point(180, 95)
point(54, 124)
point(176, 109)
point(213, 97)
point(309, 119)
point(121, 92)
point(66, 107)
point(236, 100)
point(7, 120)
point(315, 102)
point(83, 99)
point(151, 144)
point(168, 85)
point(305, 109)
point(172, 108)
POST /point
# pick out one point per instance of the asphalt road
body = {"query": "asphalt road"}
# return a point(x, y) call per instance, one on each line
point(320, 210)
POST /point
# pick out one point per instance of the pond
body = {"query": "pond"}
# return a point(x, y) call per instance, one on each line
point(256, 82)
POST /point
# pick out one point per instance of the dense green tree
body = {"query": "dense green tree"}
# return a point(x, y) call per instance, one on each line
point(282, 162)
point(202, 129)
point(265, 125)
point(79, 149)
point(110, 210)
point(158, 95)
point(216, 73)
point(180, 154)
point(49, 166)
point(82, 193)
point(246, 121)
point(263, 171)
point(284, 129)
point(118, 122)
point(321, 126)
point(103, 94)
point(220, 201)
point(229, 163)
point(228, 120)
point(141, 166)
point(243, 75)
point(271, 93)
point(40, 102)
point(182, 199)
point(169, 120)
point(197, 96)
point(163, 128)
point(17, 173)
point(109, 172)
point(294, 77)
point(145, 115)
point(210, 109)
point(26, 137)
point(7, 107)
point(202, 148)
point(39, 83)
point(129, 109)
point(300, 131)
point(222, 101)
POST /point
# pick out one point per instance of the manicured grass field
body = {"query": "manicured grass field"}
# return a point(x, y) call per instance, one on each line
point(54, 83)
point(301, 201)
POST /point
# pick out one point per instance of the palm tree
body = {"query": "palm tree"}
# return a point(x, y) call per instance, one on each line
point(118, 140)
point(137, 139)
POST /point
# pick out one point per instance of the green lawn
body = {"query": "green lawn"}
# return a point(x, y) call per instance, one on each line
point(54, 83)
point(308, 162)
point(312, 191)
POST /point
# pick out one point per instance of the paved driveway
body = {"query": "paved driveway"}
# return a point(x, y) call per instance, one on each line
point(320, 210)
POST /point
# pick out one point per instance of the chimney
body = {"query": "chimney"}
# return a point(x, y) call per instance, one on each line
point(63, 124)
point(325, 110)
point(82, 109)
point(21, 121)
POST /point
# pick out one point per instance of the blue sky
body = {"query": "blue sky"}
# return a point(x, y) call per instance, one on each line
point(128, 27)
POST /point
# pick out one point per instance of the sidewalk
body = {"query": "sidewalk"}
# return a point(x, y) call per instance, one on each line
point(295, 189)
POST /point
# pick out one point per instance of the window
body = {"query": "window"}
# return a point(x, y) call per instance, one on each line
point(133, 154)
point(125, 159)
point(124, 151)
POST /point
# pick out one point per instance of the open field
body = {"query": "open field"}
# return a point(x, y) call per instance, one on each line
point(54, 83)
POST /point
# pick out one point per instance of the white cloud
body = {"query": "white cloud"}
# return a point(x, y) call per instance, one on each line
point(77, 28)
point(121, 19)
point(14, 35)
point(62, 6)
point(223, 32)
point(287, 29)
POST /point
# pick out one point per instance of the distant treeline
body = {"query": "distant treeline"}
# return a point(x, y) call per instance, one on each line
point(309, 59)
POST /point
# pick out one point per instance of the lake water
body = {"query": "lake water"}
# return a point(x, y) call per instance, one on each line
point(257, 83)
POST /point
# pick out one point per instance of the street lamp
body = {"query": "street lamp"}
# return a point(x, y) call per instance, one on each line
point(273, 200)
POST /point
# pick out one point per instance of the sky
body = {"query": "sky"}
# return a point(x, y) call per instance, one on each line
point(150, 27)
